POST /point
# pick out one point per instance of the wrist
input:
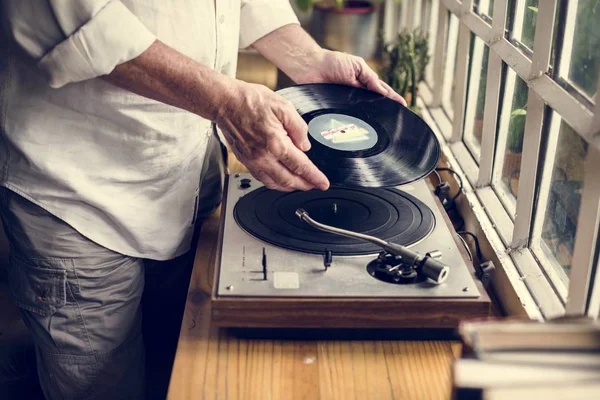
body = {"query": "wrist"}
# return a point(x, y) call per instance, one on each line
point(222, 93)
point(306, 67)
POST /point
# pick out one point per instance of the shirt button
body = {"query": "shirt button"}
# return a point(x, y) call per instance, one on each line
point(222, 18)
point(208, 132)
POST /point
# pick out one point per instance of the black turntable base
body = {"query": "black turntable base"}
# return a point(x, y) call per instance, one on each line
point(276, 270)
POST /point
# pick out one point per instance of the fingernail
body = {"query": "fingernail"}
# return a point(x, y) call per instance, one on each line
point(306, 146)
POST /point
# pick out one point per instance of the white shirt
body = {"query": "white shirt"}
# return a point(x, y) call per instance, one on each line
point(121, 169)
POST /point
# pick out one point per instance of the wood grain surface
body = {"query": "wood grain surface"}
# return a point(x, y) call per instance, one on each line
point(215, 363)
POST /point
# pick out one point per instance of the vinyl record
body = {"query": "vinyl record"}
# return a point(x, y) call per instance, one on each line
point(362, 139)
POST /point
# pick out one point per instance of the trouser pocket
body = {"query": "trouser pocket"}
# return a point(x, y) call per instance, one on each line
point(37, 288)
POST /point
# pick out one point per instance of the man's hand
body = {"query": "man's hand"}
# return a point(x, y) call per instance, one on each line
point(266, 134)
point(264, 129)
point(303, 60)
point(336, 67)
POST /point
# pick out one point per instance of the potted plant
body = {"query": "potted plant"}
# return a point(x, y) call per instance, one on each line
point(404, 62)
point(344, 25)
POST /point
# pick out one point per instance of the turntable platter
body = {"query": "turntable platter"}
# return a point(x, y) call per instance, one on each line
point(388, 214)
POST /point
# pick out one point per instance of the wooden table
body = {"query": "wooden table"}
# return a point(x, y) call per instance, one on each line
point(212, 363)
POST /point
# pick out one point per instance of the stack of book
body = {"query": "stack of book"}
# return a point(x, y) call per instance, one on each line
point(529, 360)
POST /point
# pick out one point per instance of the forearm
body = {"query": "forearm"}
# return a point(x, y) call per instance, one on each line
point(291, 49)
point(163, 74)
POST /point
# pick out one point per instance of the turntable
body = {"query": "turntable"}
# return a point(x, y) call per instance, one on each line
point(276, 270)
point(376, 250)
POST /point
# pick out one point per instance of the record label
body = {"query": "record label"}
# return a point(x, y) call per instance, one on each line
point(342, 132)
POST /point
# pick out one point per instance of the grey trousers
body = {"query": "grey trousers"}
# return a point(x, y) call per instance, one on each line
point(90, 310)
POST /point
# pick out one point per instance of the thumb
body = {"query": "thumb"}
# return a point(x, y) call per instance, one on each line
point(295, 127)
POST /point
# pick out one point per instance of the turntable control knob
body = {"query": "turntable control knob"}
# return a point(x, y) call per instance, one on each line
point(245, 183)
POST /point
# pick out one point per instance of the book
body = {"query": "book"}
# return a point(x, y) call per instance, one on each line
point(524, 359)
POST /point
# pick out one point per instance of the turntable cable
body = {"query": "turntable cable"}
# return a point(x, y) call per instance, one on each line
point(428, 265)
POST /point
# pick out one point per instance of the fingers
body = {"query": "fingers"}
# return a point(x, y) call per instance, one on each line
point(393, 95)
point(282, 166)
point(369, 78)
point(295, 126)
point(276, 176)
point(268, 135)
point(301, 166)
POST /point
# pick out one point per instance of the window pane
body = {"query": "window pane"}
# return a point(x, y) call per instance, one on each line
point(510, 143)
point(583, 39)
point(485, 7)
point(476, 95)
point(432, 32)
point(522, 21)
point(450, 65)
point(564, 197)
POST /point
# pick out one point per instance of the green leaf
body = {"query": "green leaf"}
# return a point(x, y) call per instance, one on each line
point(518, 111)
point(533, 8)
point(304, 5)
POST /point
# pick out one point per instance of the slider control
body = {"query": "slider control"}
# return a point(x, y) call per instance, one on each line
point(264, 264)
point(327, 258)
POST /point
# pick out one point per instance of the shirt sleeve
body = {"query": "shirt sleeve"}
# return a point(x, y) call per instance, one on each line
point(94, 36)
point(261, 17)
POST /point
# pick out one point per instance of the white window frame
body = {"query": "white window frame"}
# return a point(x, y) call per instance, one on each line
point(523, 269)
point(473, 93)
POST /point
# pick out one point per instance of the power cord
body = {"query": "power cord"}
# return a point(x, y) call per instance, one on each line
point(443, 188)
point(442, 191)
point(485, 269)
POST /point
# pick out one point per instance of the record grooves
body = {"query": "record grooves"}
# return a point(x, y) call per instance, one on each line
point(389, 214)
point(362, 139)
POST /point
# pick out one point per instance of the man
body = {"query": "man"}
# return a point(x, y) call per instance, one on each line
point(107, 112)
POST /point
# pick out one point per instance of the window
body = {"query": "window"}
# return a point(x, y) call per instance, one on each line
point(580, 61)
point(523, 20)
point(527, 140)
point(560, 198)
point(507, 167)
point(473, 128)
point(484, 8)
point(450, 65)
point(431, 26)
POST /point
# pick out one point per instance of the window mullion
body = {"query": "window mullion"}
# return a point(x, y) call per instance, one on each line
point(492, 97)
point(473, 92)
point(390, 20)
point(490, 118)
point(532, 139)
point(517, 28)
point(454, 6)
point(478, 26)
point(498, 20)
point(416, 13)
point(586, 236)
point(438, 66)
point(542, 46)
point(462, 67)
point(408, 7)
